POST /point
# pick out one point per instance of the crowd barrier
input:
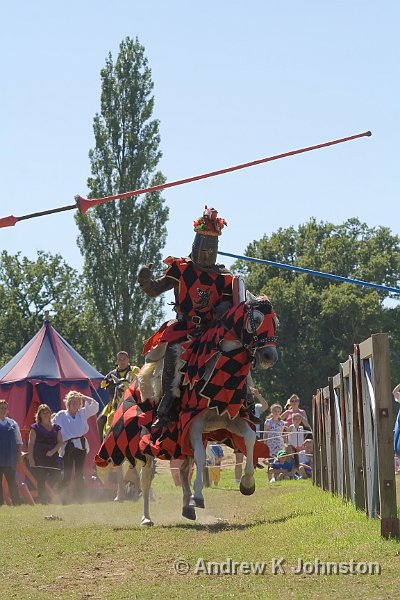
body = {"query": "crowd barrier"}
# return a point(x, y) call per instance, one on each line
point(353, 434)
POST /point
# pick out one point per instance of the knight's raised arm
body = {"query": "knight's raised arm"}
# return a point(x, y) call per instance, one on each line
point(153, 287)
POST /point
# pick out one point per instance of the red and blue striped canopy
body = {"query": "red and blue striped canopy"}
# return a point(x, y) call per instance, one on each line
point(48, 356)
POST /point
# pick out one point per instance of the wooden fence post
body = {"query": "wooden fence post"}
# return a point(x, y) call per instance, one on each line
point(316, 472)
point(359, 486)
point(385, 441)
point(322, 440)
point(346, 417)
point(353, 433)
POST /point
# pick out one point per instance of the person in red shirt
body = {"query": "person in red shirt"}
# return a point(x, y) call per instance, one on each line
point(292, 406)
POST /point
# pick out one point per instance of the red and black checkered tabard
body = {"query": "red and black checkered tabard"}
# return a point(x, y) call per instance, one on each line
point(162, 442)
point(198, 290)
point(122, 441)
point(224, 390)
point(224, 387)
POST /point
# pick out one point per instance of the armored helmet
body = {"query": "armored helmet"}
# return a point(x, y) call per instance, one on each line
point(205, 245)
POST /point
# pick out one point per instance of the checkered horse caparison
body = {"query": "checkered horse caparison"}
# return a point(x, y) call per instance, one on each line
point(231, 346)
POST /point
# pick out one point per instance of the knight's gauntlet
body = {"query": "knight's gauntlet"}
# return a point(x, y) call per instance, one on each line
point(153, 287)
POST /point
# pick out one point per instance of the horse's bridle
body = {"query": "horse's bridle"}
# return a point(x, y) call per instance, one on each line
point(257, 342)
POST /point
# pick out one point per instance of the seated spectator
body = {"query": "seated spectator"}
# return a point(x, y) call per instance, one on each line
point(44, 443)
point(292, 451)
point(292, 406)
point(10, 453)
point(283, 467)
point(306, 459)
point(274, 427)
point(296, 433)
point(74, 425)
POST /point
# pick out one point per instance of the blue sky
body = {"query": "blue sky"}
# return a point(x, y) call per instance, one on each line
point(234, 81)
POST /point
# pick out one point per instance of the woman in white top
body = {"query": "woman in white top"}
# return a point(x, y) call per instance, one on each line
point(74, 426)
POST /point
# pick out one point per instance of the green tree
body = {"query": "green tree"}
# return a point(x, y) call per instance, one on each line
point(117, 237)
point(27, 289)
point(320, 319)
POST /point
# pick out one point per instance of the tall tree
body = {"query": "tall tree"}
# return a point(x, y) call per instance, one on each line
point(27, 289)
point(116, 238)
point(321, 319)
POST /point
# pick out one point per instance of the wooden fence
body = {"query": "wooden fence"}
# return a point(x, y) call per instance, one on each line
point(353, 434)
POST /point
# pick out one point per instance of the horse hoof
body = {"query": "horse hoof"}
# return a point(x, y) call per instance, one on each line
point(189, 513)
point(247, 491)
point(197, 502)
point(146, 522)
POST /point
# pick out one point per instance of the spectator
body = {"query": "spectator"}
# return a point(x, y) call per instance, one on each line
point(306, 459)
point(10, 453)
point(296, 434)
point(214, 456)
point(283, 467)
point(44, 443)
point(274, 427)
point(74, 425)
point(292, 451)
point(292, 406)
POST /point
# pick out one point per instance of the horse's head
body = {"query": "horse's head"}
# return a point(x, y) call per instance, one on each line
point(254, 326)
point(260, 327)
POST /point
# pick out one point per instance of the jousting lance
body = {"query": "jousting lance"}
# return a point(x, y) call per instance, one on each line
point(83, 205)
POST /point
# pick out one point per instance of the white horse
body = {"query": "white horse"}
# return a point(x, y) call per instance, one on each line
point(212, 394)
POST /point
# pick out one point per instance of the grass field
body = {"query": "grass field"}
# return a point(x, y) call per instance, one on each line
point(98, 550)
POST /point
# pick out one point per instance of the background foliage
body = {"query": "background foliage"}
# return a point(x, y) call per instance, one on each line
point(321, 319)
point(117, 237)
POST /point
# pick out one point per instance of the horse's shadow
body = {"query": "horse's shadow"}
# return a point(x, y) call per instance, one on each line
point(223, 525)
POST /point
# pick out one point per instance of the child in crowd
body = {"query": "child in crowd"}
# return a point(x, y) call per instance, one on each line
point(306, 459)
point(214, 456)
point(283, 467)
point(274, 427)
point(292, 452)
point(296, 434)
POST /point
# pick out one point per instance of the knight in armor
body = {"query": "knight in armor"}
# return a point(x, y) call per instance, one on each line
point(203, 293)
point(115, 382)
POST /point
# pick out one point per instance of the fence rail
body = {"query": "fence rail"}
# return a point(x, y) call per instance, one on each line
point(353, 434)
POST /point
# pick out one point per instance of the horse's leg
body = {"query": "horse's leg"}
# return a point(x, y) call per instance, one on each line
point(135, 483)
point(196, 441)
point(247, 482)
point(187, 511)
point(121, 492)
point(146, 477)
